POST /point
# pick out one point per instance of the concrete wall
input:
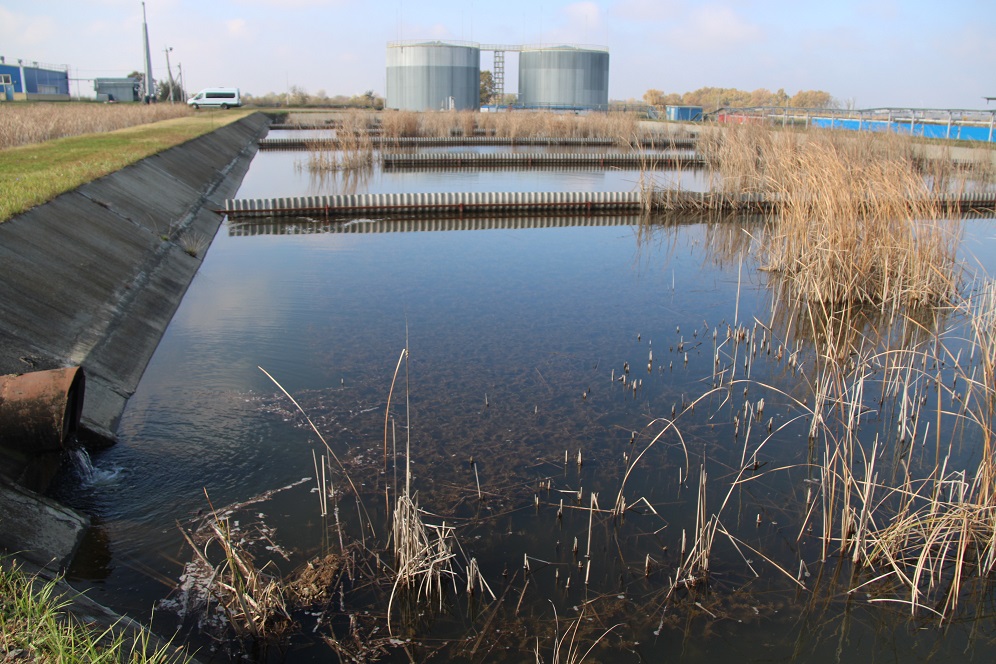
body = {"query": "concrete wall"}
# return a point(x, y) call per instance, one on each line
point(93, 277)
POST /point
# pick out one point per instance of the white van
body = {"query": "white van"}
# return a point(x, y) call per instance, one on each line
point(216, 97)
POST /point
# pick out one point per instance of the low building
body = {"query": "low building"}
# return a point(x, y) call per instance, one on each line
point(684, 113)
point(21, 81)
point(117, 89)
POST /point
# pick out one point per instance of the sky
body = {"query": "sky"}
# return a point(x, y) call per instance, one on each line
point(870, 53)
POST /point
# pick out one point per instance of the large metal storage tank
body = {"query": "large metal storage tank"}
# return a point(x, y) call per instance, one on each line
point(433, 75)
point(571, 77)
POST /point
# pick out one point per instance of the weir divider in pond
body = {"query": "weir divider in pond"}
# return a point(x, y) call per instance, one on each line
point(586, 202)
point(330, 142)
point(540, 160)
point(273, 226)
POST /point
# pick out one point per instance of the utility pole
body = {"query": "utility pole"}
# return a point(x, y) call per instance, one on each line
point(169, 71)
point(179, 80)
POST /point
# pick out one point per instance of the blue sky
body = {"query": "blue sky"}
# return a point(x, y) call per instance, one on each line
point(871, 53)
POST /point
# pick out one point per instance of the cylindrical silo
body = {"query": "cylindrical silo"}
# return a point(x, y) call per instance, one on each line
point(433, 75)
point(572, 77)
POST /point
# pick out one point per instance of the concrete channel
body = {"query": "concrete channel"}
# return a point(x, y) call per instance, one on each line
point(92, 280)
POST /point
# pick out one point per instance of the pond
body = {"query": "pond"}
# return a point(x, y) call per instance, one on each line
point(555, 367)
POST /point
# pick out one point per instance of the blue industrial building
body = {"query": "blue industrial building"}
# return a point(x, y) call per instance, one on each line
point(21, 81)
point(684, 113)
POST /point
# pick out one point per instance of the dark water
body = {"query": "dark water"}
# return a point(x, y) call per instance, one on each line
point(517, 338)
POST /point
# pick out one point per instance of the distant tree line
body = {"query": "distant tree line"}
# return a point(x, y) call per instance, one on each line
point(711, 99)
point(298, 97)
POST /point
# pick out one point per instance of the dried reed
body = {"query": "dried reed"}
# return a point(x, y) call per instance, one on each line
point(858, 231)
point(621, 127)
point(251, 597)
point(21, 124)
point(348, 148)
point(854, 217)
point(921, 529)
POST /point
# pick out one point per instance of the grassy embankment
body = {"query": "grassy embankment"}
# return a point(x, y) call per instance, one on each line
point(36, 173)
point(35, 626)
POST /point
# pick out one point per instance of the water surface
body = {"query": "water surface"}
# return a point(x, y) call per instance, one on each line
point(518, 340)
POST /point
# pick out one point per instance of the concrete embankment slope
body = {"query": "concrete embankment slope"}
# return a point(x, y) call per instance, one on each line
point(93, 277)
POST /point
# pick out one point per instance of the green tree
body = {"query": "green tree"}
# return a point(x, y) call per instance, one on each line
point(164, 92)
point(487, 86)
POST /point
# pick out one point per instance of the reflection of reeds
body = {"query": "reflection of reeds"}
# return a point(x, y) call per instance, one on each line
point(567, 647)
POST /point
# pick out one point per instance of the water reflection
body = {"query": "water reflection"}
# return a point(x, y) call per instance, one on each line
point(646, 346)
point(277, 174)
point(298, 226)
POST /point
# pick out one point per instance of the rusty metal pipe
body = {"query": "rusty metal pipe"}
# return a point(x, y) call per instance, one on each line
point(40, 411)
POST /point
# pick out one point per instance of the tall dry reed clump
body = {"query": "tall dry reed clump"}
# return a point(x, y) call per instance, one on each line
point(902, 509)
point(349, 147)
point(399, 124)
point(860, 231)
point(856, 221)
point(622, 127)
point(21, 124)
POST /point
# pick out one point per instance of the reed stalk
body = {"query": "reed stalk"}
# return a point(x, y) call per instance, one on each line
point(347, 147)
point(21, 124)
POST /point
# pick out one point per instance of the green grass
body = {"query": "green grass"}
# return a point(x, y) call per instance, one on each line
point(34, 174)
point(35, 626)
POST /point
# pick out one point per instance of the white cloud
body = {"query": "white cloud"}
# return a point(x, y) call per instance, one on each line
point(237, 27)
point(22, 31)
point(716, 26)
point(647, 11)
point(584, 21)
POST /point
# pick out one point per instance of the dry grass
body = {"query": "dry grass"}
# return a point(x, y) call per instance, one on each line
point(400, 124)
point(919, 530)
point(348, 148)
point(251, 597)
point(34, 174)
point(855, 219)
point(512, 125)
point(21, 124)
point(857, 226)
